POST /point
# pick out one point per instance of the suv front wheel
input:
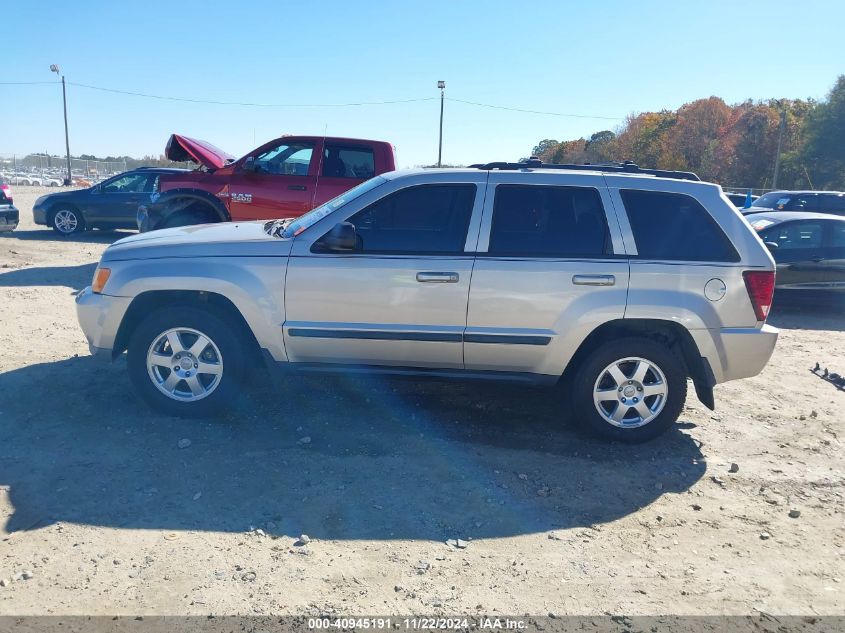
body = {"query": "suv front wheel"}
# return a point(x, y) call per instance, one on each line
point(630, 389)
point(186, 362)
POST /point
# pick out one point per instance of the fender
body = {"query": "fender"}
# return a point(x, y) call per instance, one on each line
point(162, 205)
point(254, 286)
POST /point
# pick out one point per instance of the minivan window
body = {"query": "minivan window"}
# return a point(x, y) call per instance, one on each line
point(548, 221)
point(431, 219)
point(674, 226)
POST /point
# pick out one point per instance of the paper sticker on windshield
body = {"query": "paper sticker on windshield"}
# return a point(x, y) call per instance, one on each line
point(759, 225)
point(781, 202)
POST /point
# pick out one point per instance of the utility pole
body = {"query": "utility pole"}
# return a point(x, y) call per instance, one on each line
point(442, 86)
point(781, 130)
point(54, 68)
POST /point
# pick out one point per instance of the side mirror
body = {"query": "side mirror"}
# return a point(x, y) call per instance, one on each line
point(341, 238)
point(772, 246)
point(248, 166)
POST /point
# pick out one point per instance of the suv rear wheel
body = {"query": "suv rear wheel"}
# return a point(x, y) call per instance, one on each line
point(186, 362)
point(630, 389)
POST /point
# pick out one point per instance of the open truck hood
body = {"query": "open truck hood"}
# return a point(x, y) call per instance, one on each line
point(181, 148)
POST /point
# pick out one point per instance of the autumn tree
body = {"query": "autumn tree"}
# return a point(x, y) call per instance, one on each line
point(694, 134)
point(734, 145)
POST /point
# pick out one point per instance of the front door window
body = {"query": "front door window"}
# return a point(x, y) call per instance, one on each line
point(285, 160)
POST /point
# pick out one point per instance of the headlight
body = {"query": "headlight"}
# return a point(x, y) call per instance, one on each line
point(101, 276)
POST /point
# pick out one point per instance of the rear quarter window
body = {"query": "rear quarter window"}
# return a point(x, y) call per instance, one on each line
point(675, 227)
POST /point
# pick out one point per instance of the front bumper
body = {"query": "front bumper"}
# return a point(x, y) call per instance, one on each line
point(9, 218)
point(39, 215)
point(735, 353)
point(99, 317)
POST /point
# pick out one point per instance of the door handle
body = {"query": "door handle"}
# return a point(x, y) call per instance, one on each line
point(817, 260)
point(437, 278)
point(593, 280)
point(297, 187)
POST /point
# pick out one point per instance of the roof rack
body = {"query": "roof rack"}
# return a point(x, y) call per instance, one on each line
point(627, 167)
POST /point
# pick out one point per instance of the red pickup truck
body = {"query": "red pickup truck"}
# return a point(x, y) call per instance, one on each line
point(283, 178)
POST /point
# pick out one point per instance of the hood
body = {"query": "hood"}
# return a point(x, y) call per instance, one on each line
point(226, 239)
point(181, 148)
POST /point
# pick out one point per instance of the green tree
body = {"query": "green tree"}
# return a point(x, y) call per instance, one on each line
point(823, 151)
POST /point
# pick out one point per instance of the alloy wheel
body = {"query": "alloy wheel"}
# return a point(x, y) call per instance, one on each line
point(184, 364)
point(65, 221)
point(630, 392)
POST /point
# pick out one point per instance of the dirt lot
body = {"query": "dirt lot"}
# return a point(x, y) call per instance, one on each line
point(102, 512)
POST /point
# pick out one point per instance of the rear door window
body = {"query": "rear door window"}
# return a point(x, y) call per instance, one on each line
point(832, 203)
point(547, 221)
point(425, 219)
point(675, 227)
point(348, 162)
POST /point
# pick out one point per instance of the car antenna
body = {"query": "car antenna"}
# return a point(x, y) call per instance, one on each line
point(319, 166)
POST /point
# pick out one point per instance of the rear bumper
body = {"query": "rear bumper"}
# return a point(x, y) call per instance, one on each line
point(100, 316)
point(9, 218)
point(735, 353)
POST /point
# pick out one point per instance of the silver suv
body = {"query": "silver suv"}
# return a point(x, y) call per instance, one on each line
point(613, 283)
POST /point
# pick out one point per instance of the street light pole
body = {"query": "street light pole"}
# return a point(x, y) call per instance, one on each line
point(442, 86)
point(54, 68)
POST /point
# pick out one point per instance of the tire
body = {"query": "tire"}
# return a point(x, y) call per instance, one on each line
point(187, 217)
point(67, 221)
point(653, 400)
point(152, 362)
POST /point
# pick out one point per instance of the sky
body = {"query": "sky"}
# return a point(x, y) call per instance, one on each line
point(593, 59)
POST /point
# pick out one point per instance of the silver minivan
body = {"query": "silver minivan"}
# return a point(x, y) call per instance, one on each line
point(611, 284)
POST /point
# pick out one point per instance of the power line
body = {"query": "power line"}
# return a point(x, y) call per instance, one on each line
point(253, 105)
point(497, 107)
point(314, 105)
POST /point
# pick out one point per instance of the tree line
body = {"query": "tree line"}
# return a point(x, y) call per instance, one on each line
point(734, 145)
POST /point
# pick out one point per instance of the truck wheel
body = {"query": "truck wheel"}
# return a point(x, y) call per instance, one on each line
point(186, 362)
point(630, 390)
point(67, 221)
point(187, 217)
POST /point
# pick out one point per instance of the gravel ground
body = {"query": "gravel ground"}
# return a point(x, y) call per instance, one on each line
point(107, 508)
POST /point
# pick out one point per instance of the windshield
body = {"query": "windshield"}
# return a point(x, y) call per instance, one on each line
point(771, 200)
point(315, 215)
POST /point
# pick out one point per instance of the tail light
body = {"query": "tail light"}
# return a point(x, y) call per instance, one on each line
point(761, 286)
point(6, 190)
